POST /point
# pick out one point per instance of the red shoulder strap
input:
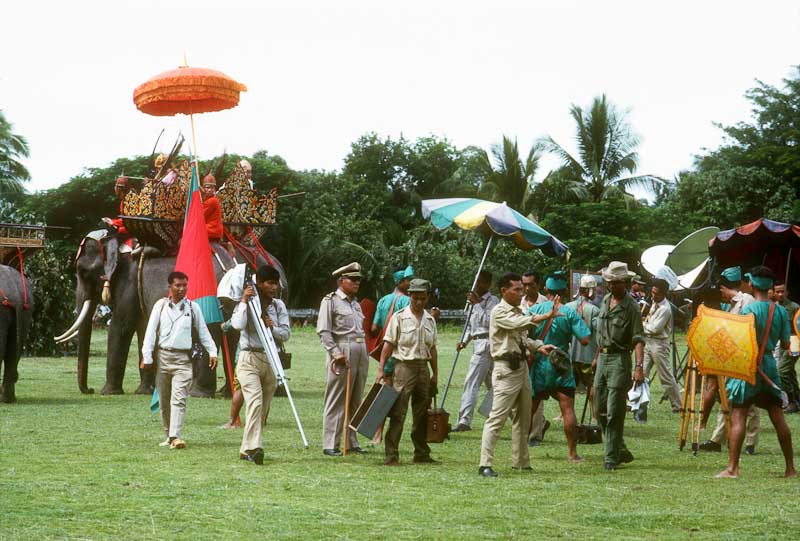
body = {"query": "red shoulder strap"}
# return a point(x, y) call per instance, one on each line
point(764, 337)
point(549, 323)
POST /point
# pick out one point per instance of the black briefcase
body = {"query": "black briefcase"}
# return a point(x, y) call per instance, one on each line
point(588, 434)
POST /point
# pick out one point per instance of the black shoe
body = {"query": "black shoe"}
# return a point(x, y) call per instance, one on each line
point(331, 452)
point(533, 442)
point(544, 429)
point(791, 408)
point(358, 451)
point(487, 471)
point(625, 456)
point(710, 445)
point(526, 468)
point(256, 456)
point(750, 450)
point(461, 428)
point(609, 466)
point(425, 460)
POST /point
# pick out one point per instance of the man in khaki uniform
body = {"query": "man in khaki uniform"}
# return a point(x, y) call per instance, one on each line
point(253, 370)
point(509, 345)
point(411, 340)
point(731, 291)
point(657, 329)
point(341, 331)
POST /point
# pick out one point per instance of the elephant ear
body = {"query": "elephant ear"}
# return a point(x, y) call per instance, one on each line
point(111, 249)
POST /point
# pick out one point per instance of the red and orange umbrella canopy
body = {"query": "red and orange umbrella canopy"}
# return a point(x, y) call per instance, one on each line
point(188, 91)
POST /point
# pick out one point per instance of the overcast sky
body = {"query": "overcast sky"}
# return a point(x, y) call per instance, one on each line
point(320, 74)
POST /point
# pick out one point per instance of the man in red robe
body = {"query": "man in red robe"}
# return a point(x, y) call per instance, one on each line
point(212, 210)
point(121, 190)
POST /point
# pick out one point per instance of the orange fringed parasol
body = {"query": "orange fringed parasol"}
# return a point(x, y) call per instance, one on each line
point(188, 91)
point(724, 344)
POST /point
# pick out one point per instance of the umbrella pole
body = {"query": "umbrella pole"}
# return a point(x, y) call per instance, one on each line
point(468, 309)
point(194, 146)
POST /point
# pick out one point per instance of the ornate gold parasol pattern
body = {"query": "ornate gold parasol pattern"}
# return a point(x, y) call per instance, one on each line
point(724, 344)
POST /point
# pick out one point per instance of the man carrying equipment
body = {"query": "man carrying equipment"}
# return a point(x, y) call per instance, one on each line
point(619, 331)
point(341, 331)
point(392, 303)
point(509, 343)
point(548, 380)
point(480, 365)
point(411, 339)
point(580, 355)
point(772, 327)
point(255, 376)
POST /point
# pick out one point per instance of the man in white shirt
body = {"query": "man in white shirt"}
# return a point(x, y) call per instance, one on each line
point(169, 335)
point(480, 365)
point(657, 328)
point(253, 370)
point(530, 286)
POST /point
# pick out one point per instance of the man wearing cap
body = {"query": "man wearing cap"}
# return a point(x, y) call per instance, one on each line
point(619, 332)
point(772, 327)
point(340, 329)
point(480, 365)
point(786, 361)
point(530, 287)
point(212, 210)
point(549, 379)
point(657, 328)
point(509, 345)
point(411, 339)
point(392, 303)
point(637, 290)
point(734, 301)
point(580, 355)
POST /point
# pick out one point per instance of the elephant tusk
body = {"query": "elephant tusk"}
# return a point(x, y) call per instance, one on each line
point(70, 337)
point(76, 325)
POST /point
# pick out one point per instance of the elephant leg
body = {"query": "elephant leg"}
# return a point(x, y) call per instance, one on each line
point(147, 378)
point(119, 345)
point(7, 353)
point(204, 380)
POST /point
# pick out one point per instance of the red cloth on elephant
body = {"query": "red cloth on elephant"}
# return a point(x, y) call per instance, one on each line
point(212, 212)
point(117, 222)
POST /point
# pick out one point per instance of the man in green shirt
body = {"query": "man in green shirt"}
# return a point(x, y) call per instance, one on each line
point(391, 304)
point(786, 362)
point(619, 332)
point(548, 380)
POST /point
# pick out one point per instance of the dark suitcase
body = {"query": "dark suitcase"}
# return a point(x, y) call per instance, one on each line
point(438, 427)
point(588, 434)
point(374, 409)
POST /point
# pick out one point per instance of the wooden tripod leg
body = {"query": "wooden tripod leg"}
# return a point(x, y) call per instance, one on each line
point(724, 405)
point(696, 437)
point(692, 403)
point(684, 405)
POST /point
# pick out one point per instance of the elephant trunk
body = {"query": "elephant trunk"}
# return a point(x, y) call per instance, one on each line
point(84, 344)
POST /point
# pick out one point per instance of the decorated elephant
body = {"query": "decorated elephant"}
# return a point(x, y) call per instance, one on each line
point(16, 307)
point(105, 275)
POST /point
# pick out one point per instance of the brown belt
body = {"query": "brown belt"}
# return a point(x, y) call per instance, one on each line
point(611, 350)
point(356, 340)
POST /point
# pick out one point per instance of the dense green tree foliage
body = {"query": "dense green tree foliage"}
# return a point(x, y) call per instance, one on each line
point(13, 147)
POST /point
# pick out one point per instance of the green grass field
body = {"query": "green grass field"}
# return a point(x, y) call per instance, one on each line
point(89, 467)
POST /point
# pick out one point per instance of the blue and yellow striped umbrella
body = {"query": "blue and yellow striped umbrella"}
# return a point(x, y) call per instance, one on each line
point(492, 218)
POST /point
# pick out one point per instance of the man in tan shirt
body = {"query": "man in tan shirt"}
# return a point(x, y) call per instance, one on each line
point(411, 340)
point(509, 343)
point(340, 327)
point(657, 329)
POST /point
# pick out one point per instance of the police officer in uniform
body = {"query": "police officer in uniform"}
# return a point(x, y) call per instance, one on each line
point(341, 331)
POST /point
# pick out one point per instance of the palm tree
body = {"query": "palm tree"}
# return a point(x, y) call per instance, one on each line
point(607, 157)
point(509, 179)
point(12, 147)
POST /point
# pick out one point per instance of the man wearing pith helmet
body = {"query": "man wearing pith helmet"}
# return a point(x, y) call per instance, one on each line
point(341, 331)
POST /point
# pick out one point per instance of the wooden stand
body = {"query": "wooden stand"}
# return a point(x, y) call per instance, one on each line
point(690, 414)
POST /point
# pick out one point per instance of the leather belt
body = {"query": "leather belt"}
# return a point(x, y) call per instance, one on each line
point(481, 336)
point(254, 350)
point(356, 340)
point(176, 350)
point(612, 350)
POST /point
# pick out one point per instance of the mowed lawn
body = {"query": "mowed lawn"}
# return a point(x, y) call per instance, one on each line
point(75, 466)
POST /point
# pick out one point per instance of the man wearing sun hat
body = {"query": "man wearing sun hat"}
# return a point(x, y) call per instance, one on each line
point(340, 329)
point(619, 333)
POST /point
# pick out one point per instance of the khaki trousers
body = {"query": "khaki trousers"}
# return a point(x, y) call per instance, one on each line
point(479, 372)
point(173, 380)
point(512, 391)
point(412, 379)
point(258, 384)
point(656, 353)
point(333, 407)
point(751, 433)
